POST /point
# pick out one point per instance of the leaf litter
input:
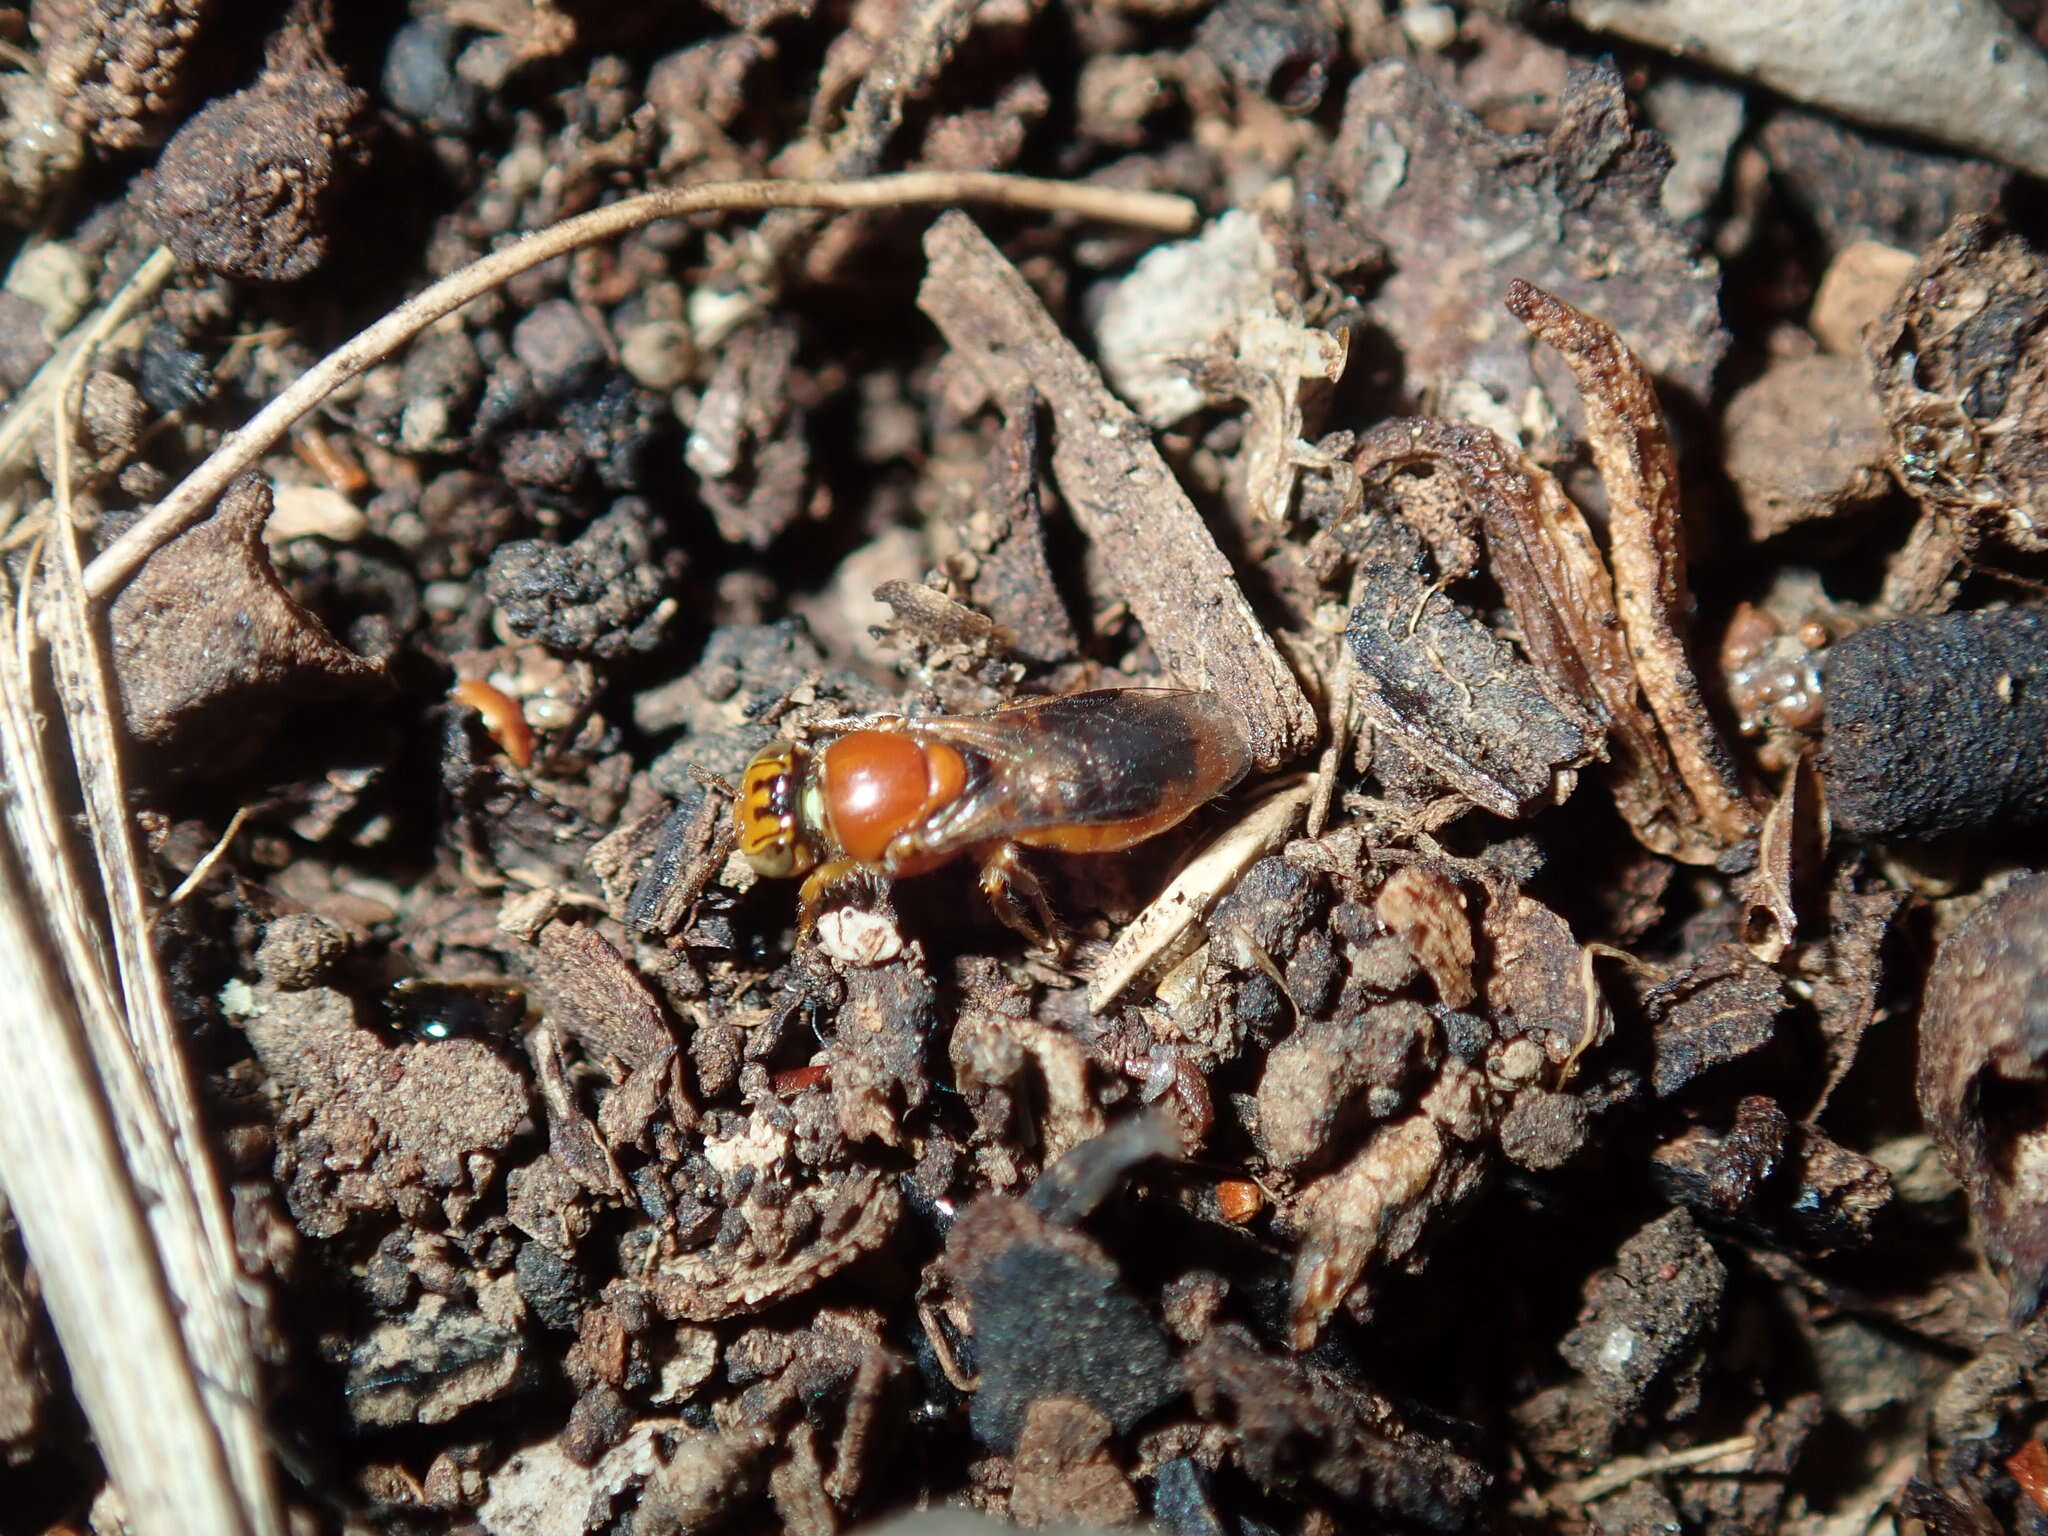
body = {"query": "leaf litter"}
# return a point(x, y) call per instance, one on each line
point(1636, 812)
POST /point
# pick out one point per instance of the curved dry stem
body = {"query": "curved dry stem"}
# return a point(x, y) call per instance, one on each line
point(46, 393)
point(1632, 451)
point(120, 1208)
point(239, 451)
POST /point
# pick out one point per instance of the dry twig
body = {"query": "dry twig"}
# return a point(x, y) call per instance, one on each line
point(240, 450)
point(1120, 491)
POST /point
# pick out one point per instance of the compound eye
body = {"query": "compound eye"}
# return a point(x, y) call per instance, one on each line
point(765, 812)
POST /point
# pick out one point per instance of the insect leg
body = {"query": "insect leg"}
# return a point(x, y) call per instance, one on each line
point(1004, 878)
point(819, 884)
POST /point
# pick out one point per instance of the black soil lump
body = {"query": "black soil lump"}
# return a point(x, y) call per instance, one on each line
point(1938, 725)
point(1052, 1319)
point(249, 186)
point(605, 595)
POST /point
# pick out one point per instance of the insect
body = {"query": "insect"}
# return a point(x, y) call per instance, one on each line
point(1087, 773)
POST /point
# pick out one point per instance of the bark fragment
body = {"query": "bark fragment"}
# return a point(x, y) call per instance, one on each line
point(1724, 1007)
point(1463, 209)
point(1983, 1065)
point(1119, 490)
point(1003, 531)
point(1456, 697)
point(1646, 1324)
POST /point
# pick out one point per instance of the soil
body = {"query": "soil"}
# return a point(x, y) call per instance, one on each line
point(1585, 1072)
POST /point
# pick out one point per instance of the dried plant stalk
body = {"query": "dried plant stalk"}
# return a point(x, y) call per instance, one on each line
point(1542, 554)
point(104, 1154)
point(144, 1069)
point(106, 1296)
point(117, 1204)
point(1632, 451)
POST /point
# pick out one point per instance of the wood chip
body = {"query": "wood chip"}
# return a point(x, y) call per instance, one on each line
point(592, 994)
point(1153, 542)
point(1456, 696)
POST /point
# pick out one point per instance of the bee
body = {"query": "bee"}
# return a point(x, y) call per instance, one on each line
point(1087, 773)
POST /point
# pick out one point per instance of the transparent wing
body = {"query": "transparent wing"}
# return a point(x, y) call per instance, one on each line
point(1088, 759)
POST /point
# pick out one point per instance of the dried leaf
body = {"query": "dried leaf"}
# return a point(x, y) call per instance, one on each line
point(1542, 554)
point(210, 650)
point(1372, 1209)
point(1632, 450)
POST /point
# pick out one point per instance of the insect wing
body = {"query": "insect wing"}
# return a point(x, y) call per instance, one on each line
point(1088, 759)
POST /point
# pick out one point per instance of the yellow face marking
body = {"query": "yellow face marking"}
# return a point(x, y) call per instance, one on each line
point(766, 813)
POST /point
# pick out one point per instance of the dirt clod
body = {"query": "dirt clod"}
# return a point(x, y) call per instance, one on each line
point(210, 648)
point(249, 186)
point(1937, 725)
point(1983, 1040)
